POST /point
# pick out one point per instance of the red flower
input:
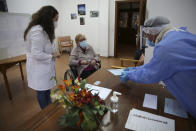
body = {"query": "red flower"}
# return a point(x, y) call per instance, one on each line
point(61, 87)
point(79, 78)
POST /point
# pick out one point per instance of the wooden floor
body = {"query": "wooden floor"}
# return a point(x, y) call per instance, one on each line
point(24, 104)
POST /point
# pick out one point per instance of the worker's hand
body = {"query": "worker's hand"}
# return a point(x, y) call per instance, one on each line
point(124, 77)
point(55, 55)
point(129, 68)
point(84, 62)
point(93, 62)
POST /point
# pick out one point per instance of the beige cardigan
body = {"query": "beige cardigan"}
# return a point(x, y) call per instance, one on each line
point(77, 55)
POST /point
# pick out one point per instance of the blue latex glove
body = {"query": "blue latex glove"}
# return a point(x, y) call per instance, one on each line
point(124, 77)
point(129, 68)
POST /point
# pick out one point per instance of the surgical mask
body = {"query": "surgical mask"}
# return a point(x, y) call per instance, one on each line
point(55, 24)
point(83, 44)
point(152, 44)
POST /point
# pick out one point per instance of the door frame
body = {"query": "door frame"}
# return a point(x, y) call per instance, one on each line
point(142, 10)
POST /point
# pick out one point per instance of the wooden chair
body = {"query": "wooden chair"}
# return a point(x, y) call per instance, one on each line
point(123, 60)
point(139, 60)
point(64, 42)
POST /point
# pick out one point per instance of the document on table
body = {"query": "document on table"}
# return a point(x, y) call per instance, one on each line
point(150, 101)
point(116, 72)
point(143, 121)
point(103, 92)
point(173, 107)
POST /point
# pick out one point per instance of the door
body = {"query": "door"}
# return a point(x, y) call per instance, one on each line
point(129, 14)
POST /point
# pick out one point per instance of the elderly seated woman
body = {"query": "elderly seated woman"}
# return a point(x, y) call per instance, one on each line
point(83, 57)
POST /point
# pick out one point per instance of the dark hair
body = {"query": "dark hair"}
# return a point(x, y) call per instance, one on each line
point(44, 17)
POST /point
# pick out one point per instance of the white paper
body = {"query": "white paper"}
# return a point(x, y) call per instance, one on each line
point(143, 121)
point(103, 92)
point(172, 107)
point(150, 101)
point(116, 72)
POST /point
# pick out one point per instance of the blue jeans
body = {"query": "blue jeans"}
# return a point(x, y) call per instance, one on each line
point(43, 98)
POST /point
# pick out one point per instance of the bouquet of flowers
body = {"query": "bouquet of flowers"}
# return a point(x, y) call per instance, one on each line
point(82, 108)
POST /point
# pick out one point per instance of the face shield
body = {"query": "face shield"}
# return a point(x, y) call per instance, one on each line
point(153, 27)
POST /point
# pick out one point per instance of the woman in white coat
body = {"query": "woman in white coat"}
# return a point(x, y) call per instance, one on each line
point(41, 54)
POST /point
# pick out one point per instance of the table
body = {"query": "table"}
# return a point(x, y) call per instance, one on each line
point(133, 96)
point(8, 63)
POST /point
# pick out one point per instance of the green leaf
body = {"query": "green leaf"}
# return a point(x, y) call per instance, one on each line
point(88, 113)
point(96, 103)
point(88, 125)
point(82, 85)
point(97, 107)
point(55, 90)
point(70, 118)
point(94, 111)
point(101, 112)
point(51, 78)
point(103, 107)
point(66, 100)
point(55, 79)
point(62, 121)
point(76, 90)
point(56, 102)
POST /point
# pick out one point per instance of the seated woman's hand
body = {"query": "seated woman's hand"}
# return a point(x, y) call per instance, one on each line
point(93, 62)
point(84, 62)
point(55, 55)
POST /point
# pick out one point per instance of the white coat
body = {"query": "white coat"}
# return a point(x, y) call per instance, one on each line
point(40, 65)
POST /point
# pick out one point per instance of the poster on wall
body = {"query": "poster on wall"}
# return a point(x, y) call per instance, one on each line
point(94, 13)
point(82, 21)
point(81, 9)
point(73, 16)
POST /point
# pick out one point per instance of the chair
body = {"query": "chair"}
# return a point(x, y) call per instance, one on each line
point(138, 60)
point(72, 72)
point(64, 42)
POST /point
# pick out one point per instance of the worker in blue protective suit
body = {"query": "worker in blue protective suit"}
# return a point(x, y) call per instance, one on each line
point(173, 62)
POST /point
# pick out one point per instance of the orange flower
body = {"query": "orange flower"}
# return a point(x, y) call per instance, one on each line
point(71, 96)
point(78, 104)
point(83, 92)
point(78, 87)
point(68, 82)
point(73, 87)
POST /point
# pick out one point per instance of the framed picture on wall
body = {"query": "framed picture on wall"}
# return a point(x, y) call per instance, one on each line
point(3, 6)
point(73, 16)
point(94, 13)
point(82, 21)
point(81, 9)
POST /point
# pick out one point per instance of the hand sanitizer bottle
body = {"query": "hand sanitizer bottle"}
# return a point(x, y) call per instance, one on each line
point(114, 102)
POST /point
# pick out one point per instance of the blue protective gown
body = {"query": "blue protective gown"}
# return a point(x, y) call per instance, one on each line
point(174, 62)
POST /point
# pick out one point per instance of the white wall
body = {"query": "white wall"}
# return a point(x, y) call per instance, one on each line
point(28, 6)
point(179, 12)
point(95, 29)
